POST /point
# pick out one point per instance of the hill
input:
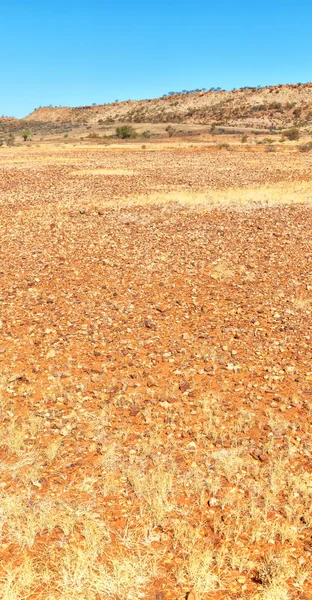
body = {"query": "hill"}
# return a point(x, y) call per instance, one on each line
point(270, 107)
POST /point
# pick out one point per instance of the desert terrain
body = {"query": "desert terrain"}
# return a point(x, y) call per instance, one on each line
point(156, 366)
point(265, 107)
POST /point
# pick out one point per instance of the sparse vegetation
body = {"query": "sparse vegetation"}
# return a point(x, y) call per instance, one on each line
point(170, 130)
point(307, 147)
point(126, 132)
point(292, 134)
point(26, 135)
point(10, 140)
point(155, 379)
point(224, 146)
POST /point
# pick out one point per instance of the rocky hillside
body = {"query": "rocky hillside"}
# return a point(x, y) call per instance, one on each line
point(276, 106)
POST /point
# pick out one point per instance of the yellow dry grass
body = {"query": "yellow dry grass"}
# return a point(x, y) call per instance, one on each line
point(102, 171)
point(246, 198)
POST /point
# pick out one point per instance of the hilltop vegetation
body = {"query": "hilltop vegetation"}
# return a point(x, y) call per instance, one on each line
point(270, 107)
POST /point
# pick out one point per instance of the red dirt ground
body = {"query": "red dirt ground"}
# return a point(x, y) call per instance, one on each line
point(156, 377)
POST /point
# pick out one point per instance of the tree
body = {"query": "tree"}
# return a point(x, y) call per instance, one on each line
point(126, 131)
point(26, 135)
point(170, 130)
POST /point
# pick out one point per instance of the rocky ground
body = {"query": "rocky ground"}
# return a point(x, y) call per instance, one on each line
point(156, 374)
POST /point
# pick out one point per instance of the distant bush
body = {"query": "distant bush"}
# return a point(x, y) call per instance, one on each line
point(125, 132)
point(244, 139)
point(305, 147)
point(275, 106)
point(93, 135)
point(224, 146)
point(259, 107)
point(146, 134)
point(297, 112)
point(26, 135)
point(292, 134)
point(10, 140)
point(170, 130)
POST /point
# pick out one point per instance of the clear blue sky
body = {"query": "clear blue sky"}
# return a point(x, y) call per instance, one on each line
point(78, 52)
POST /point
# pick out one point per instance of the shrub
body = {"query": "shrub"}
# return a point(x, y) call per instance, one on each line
point(224, 146)
point(292, 134)
point(10, 140)
point(170, 130)
point(244, 139)
point(125, 132)
point(305, 147)
point(26, 135)
point(275, 106)
point(146, 134)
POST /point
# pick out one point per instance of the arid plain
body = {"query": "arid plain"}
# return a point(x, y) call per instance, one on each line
point(156, 371)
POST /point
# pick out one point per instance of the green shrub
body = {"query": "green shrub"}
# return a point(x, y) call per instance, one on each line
point(125, 132)
point(26, 135)
point(292, 134)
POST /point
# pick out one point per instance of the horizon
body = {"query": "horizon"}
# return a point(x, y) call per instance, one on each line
point(171, 93)
point(73, 55)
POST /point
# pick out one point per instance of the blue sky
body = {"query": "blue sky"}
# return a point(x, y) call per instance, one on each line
point(79, 52)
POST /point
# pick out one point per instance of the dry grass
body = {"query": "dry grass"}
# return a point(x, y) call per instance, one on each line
point(155, 404)
point(241, 198)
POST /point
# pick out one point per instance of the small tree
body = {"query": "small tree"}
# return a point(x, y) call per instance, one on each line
point(26, 135)
point(126, 131)
point(170, 130)
point(292, 134)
